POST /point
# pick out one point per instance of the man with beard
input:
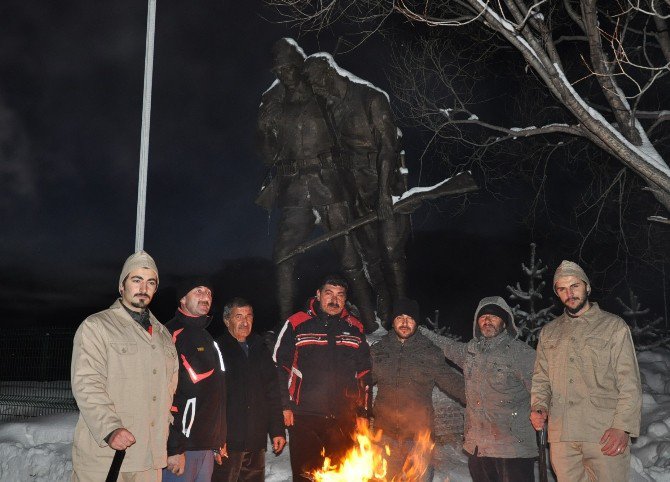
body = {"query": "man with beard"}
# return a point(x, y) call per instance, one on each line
point(124, 373)
point(587, 382)
point(406, 367)
point(323, 361)
point(198, 434)
point(253, 402)
point(498, 369)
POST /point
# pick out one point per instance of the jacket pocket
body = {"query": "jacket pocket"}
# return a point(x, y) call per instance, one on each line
point(606, 403)
point(124, 348)
point(595, 351)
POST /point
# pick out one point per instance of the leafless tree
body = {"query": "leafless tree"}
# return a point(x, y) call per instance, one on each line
point(603, 67)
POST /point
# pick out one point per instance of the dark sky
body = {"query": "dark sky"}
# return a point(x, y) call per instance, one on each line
point(71, 76)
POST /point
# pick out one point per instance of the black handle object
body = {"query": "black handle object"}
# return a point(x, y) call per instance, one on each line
point(115, 468)
point(542, 444)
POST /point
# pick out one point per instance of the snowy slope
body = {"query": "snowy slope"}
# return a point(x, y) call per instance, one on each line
point(39, 449)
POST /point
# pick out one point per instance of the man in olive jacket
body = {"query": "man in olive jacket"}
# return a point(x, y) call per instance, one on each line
point(406, 367)
point(124, 374)
point(587, 382)
point(498, 370)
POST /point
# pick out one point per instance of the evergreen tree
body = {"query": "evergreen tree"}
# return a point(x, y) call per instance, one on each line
point(530, 319)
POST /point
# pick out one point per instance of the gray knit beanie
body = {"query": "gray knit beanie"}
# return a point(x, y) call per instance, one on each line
point(569, 268)
point(141, 259)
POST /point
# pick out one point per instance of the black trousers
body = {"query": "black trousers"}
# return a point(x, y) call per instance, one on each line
point(493, 469)
point(310, 435)
point(241, 467)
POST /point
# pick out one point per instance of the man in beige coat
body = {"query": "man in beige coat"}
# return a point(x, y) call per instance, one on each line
point(124, 374)
point(586, 380)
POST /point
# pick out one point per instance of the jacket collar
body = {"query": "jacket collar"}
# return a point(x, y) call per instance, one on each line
point(589, 315)
point(125, 319)
point(195, 321)
point(492, 343)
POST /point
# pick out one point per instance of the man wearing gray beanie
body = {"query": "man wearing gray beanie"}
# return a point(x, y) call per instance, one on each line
point(587, 383)
point(124, 374)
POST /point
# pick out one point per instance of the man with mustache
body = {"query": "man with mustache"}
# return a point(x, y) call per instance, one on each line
point(406, 367)
point(124, 373)
point(587, 382)
point(497, 369)
point(324, 365)
point(253, 402)
point(198, 434)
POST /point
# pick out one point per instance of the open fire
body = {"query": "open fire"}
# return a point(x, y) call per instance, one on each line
point(367, 461)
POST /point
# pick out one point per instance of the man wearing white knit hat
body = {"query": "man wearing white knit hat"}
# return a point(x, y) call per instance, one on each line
point(587, 382)
point(124, 374)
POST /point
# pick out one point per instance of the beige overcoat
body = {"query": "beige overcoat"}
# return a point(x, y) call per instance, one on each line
point(586, 376)
point(122, 377)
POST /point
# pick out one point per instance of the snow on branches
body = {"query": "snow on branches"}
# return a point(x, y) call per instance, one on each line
point(647, 333)
point(531, 319)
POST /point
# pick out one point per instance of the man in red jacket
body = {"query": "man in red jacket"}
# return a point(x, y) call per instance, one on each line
point(324, 366)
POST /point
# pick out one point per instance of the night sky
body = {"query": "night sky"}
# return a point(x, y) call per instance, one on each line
point(71, 76)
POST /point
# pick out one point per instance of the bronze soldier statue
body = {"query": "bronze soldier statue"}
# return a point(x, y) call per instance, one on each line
point(368, 139)
point(307, 184)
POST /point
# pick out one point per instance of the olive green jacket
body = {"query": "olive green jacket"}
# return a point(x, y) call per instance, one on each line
point(405, 375)
point(586, 376)
point(122, 377)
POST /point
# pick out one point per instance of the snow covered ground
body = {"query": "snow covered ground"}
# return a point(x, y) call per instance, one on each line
point(39, 449)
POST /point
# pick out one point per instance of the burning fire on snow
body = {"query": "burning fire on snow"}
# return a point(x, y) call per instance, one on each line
point(367, 460)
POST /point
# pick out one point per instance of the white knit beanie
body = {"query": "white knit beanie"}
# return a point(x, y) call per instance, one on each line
point(569, 268)
point(141, 259)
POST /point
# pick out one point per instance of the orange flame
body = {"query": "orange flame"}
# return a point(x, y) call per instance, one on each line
point(367, 460)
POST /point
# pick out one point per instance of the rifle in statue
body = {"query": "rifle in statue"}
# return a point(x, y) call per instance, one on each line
point(461, 183)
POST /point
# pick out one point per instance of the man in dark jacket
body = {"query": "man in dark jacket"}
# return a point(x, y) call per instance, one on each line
point(253, 401)
point(405, 367)
point(198, 435)
point(498, 370)
point(324, 365)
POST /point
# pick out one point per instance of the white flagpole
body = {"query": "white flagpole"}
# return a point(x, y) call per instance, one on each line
point(146, 124)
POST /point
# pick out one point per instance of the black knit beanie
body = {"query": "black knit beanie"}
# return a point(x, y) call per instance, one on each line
point(493, 309)
point(186, 285)
point(405, 306)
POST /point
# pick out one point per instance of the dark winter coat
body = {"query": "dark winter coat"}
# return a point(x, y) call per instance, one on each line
point(323, 363)
point(497, 375)
point(405, 375)
point(199, 405)
point(253, 401)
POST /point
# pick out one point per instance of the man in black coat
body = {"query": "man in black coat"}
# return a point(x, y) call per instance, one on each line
point(253, 402)
point(198, 434)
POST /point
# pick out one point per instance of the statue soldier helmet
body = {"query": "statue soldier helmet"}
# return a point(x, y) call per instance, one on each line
point(286, 51)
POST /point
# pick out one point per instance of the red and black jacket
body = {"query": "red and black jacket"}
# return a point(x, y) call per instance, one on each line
point(199, 405)
point(324, 364)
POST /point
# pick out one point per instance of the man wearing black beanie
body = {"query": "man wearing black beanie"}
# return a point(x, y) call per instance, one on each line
point(198, 434)
point(498, 369)
point(406, 367)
